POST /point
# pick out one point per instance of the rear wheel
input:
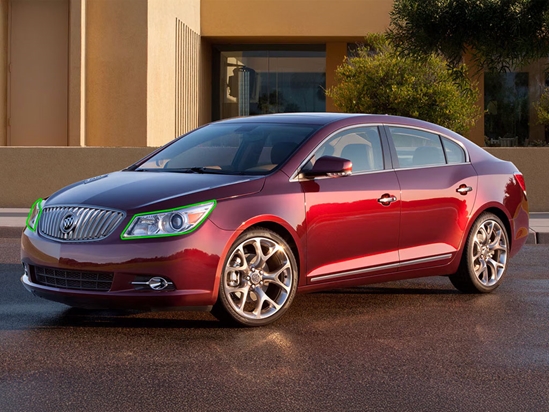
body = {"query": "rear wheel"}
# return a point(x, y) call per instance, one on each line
point(259, 280)
point(484, 259)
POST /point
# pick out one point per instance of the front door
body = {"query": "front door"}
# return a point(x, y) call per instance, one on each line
point(351, 233)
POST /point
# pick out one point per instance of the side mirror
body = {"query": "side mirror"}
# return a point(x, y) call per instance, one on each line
point(329, 166)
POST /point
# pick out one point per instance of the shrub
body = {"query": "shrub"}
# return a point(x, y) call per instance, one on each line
point(381, 81)
point(542, 107)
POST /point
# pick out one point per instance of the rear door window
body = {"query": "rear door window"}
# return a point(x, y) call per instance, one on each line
point(416, 148)
point(454, 152)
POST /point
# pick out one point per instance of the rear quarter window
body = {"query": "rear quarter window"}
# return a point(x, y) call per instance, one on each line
point(454, 152)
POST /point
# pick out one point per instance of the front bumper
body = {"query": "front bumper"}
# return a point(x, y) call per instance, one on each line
point(190, 262)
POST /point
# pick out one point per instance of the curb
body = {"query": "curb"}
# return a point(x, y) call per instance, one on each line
point(542, 238)
point(11, 232)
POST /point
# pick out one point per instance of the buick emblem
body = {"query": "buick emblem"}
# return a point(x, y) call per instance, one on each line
point(68, 223)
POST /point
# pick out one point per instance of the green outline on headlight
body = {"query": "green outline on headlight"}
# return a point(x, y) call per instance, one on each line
point(39, 201)
point(198, 224)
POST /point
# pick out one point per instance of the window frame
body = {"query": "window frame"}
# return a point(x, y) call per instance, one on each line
point(218, 48)
point(394, 156)
point(385, 149)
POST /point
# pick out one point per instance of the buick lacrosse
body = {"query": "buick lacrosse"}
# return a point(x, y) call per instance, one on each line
point(238, 216)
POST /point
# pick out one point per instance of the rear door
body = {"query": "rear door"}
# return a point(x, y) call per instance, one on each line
point(438, 189)
point(353, 222)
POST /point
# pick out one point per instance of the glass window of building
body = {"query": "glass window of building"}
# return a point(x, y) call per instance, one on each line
point(253, 82)
point(506, 118)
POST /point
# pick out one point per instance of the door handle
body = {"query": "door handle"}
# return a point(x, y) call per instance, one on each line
point(386, 199)
point(464, 189)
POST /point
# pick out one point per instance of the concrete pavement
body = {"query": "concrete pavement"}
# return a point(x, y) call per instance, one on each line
point(12, 222)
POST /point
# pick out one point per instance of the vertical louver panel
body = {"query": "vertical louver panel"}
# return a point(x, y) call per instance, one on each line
point(187, 53)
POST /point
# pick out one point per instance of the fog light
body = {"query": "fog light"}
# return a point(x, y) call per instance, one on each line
point(154, 283)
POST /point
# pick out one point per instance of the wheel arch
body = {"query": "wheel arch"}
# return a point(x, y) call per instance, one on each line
point(273, 223)
point(224, 308)
point(494, 209)
point(504, 219)
point(285, 234)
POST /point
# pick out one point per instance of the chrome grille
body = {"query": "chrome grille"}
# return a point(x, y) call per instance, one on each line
point(72, 279)
point(89, 223)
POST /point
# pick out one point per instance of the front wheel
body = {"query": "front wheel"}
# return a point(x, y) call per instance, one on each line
point(484, 259)
point(259, 279)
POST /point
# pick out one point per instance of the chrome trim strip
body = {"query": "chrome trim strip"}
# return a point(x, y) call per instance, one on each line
point(382, 267)
point(354, 272)
point(425, 260)
point(430, 166)
point(351, 175)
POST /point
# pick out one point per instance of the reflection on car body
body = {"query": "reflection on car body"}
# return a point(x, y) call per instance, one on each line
point(238, 216)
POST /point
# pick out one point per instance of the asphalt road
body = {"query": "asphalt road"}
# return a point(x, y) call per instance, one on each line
point(403, 346)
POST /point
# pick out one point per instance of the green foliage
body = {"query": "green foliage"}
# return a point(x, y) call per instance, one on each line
point(542, 107)
point(381, 81)
point(501, 34)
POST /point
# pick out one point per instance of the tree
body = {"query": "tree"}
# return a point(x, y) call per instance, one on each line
point(381, 81)
point(542, 112)
point(500, 34)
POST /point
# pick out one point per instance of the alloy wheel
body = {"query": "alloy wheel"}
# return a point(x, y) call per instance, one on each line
point(489, 253)
point(258, 279)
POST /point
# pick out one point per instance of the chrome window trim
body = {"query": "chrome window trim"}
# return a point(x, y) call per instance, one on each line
point(354, 174)
point(294, 177)
point(381, 267)
point(467, 158)
point(297, 171)
point(430, 166)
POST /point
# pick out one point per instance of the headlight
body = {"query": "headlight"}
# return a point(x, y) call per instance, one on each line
point(172, 222)
point(34, 214)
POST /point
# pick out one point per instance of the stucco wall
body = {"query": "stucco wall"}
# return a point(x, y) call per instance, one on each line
point(116, 73)
point(162, 54)
point(291, 18)
point(533, 162)
point(27, 173)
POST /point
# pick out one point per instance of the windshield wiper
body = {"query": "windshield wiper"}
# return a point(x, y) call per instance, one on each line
point(200, 170)
point(196, 169)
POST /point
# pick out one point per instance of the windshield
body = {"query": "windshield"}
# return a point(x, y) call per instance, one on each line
point(233, 148)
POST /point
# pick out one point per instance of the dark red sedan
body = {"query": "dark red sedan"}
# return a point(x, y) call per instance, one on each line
point(239, 215)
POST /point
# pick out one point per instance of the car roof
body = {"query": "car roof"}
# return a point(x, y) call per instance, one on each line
point(325, 118)
point(321, 118)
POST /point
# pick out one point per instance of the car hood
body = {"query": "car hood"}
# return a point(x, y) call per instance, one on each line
point(128, 190)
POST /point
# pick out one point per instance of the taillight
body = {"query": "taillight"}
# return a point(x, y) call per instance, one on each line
point(520, 180)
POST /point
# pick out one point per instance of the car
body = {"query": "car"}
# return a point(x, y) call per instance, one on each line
point(238, 216)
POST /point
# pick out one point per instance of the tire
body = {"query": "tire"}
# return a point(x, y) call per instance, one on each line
point(259, 280)
point(484, 260)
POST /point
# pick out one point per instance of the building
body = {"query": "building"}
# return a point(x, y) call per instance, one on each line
point(141, 72)
point(90, 86)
